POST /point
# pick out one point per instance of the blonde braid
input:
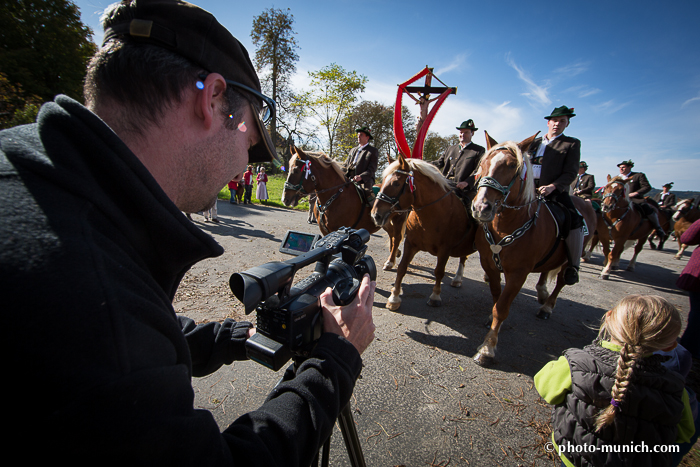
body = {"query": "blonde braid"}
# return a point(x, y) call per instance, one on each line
point(639, 324)
point(626, 363)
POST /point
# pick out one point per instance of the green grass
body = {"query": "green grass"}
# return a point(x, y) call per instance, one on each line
point(275, 186)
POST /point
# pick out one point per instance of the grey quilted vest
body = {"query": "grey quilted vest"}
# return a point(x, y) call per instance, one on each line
point(650, 413)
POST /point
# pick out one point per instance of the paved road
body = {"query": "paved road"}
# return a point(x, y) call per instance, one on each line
point(421, 399)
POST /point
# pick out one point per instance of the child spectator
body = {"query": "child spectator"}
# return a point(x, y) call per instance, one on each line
point(615, 396)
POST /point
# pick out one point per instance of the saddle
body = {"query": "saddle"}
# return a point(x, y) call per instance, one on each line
point(562, 216)
point(366, 196)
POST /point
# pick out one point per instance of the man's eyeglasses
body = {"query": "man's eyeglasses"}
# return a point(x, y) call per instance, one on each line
point(269, 108)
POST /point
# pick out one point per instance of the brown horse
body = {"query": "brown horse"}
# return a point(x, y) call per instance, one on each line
point(338, 201)
point(437, 221)
point(518, 234)
point(238, 194)
point(684, 217)
point(625, 225)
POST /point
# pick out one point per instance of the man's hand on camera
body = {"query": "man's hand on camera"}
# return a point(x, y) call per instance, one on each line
point(353, 321)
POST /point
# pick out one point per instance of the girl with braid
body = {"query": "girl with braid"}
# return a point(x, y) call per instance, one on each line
point(615, 402)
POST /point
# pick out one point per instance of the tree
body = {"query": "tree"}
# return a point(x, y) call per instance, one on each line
point(332, 96)
point(44, 47)
point(436, 145)
point(16, 107)
point(275, 57)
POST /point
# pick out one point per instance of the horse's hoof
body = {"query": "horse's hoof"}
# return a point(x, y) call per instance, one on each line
point(393, 306)
point(434, 302)
point(484, 360)
point(544, 315)
point(630, 268)
point(605, 276)
point(486, 278)
point(388, 266)
point(456, 285)
point(652, 246)
point(676, 257)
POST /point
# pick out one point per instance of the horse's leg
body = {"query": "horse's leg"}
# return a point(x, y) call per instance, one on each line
point(439, 273)
point(394, 301)
point(486, 354)
point(681, 249)
point(637, 248)
point(551, 301)
point(541, 287)
point(459, 275)
point(613, 258)
point(395, 230)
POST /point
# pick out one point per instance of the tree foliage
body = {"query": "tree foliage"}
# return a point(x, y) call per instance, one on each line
point(333, 93)
point(436, 145)
point(275, 59)
point(44, 47)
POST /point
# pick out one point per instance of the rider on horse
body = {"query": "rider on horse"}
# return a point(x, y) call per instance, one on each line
point(555, 162)
point(585, 183)
point(637, 187)
point(362, 163)
point(460, 161)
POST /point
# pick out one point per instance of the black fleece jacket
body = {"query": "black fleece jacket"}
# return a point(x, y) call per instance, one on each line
point(100, 367)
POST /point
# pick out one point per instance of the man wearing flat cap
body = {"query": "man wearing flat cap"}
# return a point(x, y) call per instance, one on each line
point(637, 187)
point(362, 161)
point(459, 162)
point(94, 244)
point(584, 184)
point(555, 160)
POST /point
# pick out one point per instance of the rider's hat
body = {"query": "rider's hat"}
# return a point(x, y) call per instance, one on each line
point(467, 125)
point(669, 185)
point(364, 130)
point(629, 163)
point(583, 165)
point(562, 111)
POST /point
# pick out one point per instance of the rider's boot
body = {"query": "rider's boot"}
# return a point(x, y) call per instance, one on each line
point(574, 242)
point(654, 219)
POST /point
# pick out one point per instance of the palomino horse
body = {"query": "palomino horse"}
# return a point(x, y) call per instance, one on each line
point(338, 203)
point(518, 234)
point(684, 217)
point(624, 224)
point(437, 221)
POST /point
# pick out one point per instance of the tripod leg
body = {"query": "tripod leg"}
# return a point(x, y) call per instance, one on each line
point(352, 441)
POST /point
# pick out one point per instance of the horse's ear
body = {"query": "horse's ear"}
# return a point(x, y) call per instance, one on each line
point(524, 145)
point(490, 142)
point(402, 160)
point(388, 156)
point(609, 178)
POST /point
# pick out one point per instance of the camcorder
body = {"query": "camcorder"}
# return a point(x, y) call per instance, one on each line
point(289, 317)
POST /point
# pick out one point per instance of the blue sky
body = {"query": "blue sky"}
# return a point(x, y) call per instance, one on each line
point(631, 69)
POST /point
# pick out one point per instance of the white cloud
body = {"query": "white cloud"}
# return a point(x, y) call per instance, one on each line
point(693, 99)
point(573, 69)
point(536, 93)
point(455, 64)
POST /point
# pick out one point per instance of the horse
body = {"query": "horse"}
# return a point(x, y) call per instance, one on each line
point(238, 194)
point(624, 224)
point(338, 200)
point(684, 217)
point(437, 221)
point(519, 234)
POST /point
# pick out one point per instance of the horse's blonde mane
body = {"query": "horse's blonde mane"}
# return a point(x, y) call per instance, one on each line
point(325, 161)
point(425, 168)
point(528, 190)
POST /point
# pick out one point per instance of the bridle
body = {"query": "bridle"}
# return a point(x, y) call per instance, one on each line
point(490, 182)
point(393, 202)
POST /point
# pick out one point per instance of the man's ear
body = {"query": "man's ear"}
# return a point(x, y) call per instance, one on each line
point(210, 98)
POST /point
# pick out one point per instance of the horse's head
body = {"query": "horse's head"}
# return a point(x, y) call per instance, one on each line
point(502, 170)
point(682, 207)
point(300, 179)
point(397, 186)
point(615, 192)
